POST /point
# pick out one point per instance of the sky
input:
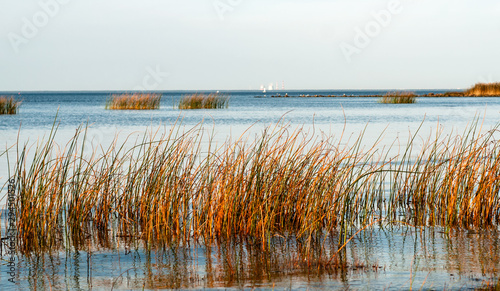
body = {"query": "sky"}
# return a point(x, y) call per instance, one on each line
point(243, 44)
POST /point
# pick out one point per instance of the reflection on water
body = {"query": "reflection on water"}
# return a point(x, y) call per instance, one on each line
point(377, 258)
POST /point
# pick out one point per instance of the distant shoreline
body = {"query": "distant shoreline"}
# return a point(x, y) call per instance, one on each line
point(253, 91)
point(478, 90)
point(447, 94)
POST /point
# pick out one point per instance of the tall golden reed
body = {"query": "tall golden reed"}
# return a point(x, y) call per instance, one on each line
point(399, 98)
point(484, 89)
point(287, 183)
point(203, 101)
point(136, 101)
point(9, 105)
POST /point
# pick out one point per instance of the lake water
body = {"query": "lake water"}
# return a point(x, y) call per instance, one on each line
point(397, 258)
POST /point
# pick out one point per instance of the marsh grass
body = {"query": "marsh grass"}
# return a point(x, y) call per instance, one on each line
point(203, 101)
point(484, 89)
point(9, 105)
point(453, 182)
point(399, 98)
point(166, 191)
point(137, 101)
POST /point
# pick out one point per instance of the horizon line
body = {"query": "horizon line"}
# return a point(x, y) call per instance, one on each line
point(212, 90)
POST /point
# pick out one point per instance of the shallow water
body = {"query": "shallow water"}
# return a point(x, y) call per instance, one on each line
point(335, 116)
point(388, 259)
point(378, 259)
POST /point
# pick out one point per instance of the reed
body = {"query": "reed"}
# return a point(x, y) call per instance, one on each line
point(9, 105)
point(399, 98)
point(484, 89)
point(453, 182)
point(166, 191)
point(137, 101)
point(202, 101)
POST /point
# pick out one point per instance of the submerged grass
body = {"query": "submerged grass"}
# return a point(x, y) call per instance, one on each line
point(137, 101)
point(9, 105)
point(484, 89)
point(286, 183)
point(399, 98)
point(202, 101)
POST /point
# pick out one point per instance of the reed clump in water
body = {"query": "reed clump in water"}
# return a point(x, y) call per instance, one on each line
point(484, 90)
point(9, 105)
point(159, 191)
point(166, 191)
point(399, 98)
point(137, 101)
point(453, 182)
point(203, 101)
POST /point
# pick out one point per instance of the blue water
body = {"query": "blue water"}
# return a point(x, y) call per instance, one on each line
point(435, 259)
point(381, 259)
point(39, 110)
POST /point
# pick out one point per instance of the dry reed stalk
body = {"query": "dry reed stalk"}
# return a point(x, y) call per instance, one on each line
point(285, 183)
point(136, 101)
point(9, 105)
point(453, 182)
point(399, 98)
point(202, 101)
point(484, 89)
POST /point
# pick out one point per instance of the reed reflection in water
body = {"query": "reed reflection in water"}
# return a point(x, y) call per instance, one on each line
point(398, 257)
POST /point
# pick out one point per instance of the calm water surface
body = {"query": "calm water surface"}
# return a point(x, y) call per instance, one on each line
point(387, 258)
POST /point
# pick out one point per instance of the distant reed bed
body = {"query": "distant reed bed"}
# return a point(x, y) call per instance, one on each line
point(204, 101)
point(484, 89)
point(167, 191)
point(9, 105)
point(399, 98)
point(137, 101)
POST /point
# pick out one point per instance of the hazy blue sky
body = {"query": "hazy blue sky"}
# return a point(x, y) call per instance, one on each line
point(242, 44)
